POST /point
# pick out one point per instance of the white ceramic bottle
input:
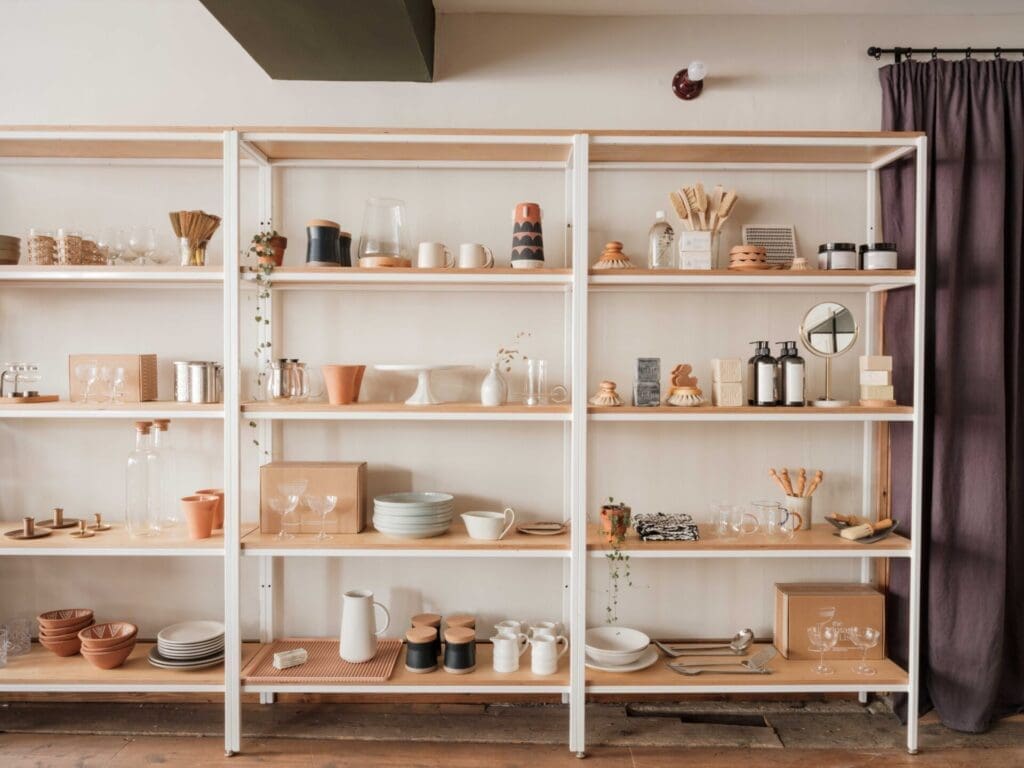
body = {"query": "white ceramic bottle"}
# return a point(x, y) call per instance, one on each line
point(493, 391)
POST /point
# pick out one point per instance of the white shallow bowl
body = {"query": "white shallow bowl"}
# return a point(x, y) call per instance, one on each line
point(615, 646)
point(418, 515)
point(385, 527)
point(418, 498)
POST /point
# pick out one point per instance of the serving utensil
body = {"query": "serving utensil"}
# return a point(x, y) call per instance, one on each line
point(755, 665)
point(739, 645)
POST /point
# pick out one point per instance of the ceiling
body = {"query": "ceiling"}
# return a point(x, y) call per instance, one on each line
point(732, 7)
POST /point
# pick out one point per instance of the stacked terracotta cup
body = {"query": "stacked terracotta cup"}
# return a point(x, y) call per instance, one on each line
point(58, 630)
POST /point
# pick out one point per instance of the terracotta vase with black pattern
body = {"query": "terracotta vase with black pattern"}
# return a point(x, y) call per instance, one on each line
point(527, 237)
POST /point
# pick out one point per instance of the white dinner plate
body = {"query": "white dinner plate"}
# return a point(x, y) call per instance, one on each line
point(649, 657)
point(190, 633)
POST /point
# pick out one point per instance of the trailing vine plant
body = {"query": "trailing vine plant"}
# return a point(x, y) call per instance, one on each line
point(260, 247)
point(615, 519)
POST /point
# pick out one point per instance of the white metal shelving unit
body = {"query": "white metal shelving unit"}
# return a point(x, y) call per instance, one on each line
point(577, 156)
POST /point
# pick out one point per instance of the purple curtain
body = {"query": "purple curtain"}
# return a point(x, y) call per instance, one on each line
point(972, 622)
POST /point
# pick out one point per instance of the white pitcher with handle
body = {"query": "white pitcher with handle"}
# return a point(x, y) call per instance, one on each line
point(359, 631)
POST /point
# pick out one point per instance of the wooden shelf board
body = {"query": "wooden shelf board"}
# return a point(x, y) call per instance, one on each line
point(42, 670)
point(74, 410)
point(211, 276)
point(819, 540)
point(816, 278)
point(115, 543)
point(556, 279)
point(816, 150)
point(401, 411)
point(483, 677)
point(112, 143)
point(749, 413)
point(371, 543)
point(792, 674)
point(415, 148)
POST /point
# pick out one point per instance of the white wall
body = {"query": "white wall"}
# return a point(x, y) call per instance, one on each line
point(168, 62)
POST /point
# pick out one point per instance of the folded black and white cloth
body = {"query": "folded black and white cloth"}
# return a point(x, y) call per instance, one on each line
point(661, 526)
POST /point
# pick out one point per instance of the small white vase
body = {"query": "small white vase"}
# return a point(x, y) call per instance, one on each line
point(493, 391)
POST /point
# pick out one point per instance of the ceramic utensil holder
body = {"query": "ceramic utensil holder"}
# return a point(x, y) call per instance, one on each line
point(459, 650)
point(421, 649)
point(800, 506)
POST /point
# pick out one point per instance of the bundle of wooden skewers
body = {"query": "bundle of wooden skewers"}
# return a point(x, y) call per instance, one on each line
point(193, 230)
point(701, 212)
point(802, 488)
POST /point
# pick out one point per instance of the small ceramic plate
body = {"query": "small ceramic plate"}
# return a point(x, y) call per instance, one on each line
point(158, 660)
point(542, 529)
point(649, 657)
point(190, 632)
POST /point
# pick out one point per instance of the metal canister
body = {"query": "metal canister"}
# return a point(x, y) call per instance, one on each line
point(181, 388)
point(204, 382)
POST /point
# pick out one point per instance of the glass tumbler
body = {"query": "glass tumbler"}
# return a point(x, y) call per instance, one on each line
point(19, 636)
point(537, 392)
point(385, 229)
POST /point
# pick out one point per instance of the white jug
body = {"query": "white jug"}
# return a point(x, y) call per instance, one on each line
point(508, 647)
point(359, 631)
point(545, 656)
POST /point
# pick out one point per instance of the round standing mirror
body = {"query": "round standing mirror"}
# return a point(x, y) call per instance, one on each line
point(828, 329)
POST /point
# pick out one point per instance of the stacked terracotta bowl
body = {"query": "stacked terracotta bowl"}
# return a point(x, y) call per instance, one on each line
point(58, 630)
point(107, 646)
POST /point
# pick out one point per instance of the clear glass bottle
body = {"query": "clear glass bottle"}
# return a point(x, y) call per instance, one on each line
point(165, 468)
point(660, 238)
point(138, 514)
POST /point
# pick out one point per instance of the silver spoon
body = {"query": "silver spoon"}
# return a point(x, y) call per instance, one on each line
point(755, 665)
point(739, 644)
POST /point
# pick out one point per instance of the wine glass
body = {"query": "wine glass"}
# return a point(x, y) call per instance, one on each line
point(284, 506)
point(323, 506)
point(87, 374)
point(142, 243)
point(105, 377)
point(117, 386)
point(823, 639)
point(864, 638)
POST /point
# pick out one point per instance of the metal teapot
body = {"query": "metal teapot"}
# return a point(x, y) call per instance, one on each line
point(287, 380)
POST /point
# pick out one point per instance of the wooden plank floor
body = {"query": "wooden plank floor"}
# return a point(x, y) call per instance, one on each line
point(65, 751)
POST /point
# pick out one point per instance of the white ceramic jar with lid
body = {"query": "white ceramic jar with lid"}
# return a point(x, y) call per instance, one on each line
point(879, 256)
point(838, 256)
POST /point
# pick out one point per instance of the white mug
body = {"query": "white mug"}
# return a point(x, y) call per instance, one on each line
point(545, 655)
point(489, 526)
point(545, 629)
point(507, 650)
point(475, 256)
point(509, 626)
point(359, 631)
point(434, 256)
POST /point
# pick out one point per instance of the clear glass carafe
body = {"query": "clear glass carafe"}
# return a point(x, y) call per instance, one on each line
point(140, 474)
point(166, 509)
point(385, 229)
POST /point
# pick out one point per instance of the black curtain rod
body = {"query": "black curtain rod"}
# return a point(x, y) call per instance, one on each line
point(899, 52)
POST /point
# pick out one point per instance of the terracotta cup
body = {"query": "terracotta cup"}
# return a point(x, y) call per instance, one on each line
point(342, 382)
point(218, 512)
point(199, 511)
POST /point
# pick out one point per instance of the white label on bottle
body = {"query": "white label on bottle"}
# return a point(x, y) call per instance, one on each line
point(765, 383)
point(794, 384)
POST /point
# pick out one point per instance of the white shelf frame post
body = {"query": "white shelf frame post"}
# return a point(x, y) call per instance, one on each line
point(232, 447)
point(578, 531)
point(921, 265)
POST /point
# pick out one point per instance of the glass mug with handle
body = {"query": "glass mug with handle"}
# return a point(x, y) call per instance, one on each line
point(774, 519)
point(537, 391)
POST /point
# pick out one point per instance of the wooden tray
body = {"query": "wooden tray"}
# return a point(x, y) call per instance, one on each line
point(324, 664)
point(26, 399)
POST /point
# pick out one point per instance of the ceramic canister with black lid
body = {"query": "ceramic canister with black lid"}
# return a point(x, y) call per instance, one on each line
point(879, 256)
point(838, 256)
point(327, 245)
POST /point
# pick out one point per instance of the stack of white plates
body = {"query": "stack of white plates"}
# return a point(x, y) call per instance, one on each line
point(189, 645)
point(413, 515)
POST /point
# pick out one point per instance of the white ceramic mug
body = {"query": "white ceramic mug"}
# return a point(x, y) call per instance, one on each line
point(509, 626)
point(475, 256)
point(545, 655)
point(359, 631)
point(507, 650)
point(545, 629)
point(434, 256)
point(489, 526)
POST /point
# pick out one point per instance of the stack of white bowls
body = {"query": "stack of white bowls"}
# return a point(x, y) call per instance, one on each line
point(617, 649)
point(415, 515)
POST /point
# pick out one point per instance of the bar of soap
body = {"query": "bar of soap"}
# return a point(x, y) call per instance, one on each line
point(875, 378)
point(876, 392)
point(876, 362)
point(292, 658)
point(727, 370)
point(727, 394)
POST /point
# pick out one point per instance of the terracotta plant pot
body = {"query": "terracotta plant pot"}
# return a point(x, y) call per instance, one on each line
point(277, 245)
point(199, 513)
point(63, 617)
point(109, 659)
point(615, 523)
point(218, 512)
point(342, 382)
point(104, 637)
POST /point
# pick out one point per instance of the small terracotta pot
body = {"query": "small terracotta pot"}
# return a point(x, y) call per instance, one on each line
point(342, 382)
point(218, 512)
point(277, 245)
point(199, 512)
point(615, 523)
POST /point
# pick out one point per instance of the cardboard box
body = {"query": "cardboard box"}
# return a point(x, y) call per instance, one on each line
point(344, 479)
point(875, 378)
point(726, 393)
point(799, 606)
point(139, 376)
point(877, 393)
point(728, 370)
point(876, 362)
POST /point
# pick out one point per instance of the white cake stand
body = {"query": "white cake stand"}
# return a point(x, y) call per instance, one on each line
point(423, 395)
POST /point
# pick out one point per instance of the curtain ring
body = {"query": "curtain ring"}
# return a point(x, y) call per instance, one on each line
point(878, 54)
point(967, 53)
point(999, 52)
point(935, 53)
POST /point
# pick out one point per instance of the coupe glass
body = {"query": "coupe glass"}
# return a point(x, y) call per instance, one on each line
point(87, 375)
point(323, 506)
point(141, 243)
point(284, 506)
point(864, 638)
point(822, 640)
